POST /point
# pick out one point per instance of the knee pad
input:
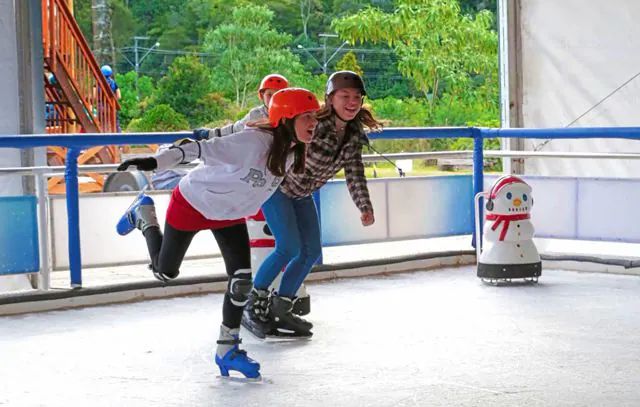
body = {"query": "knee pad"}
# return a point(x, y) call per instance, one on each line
point(239, 287)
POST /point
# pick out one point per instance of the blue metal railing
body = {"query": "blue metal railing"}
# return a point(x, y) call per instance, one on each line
point(76, 142)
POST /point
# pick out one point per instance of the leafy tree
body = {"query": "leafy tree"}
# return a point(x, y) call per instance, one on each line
point(474, 6)
point(159, 118)
point(130, 105)
point(185, 89)
point(122, 22)
point(249, 48)
point(438, 47)
point(152, 16)
point(349, 63)
point(314, 83)
point(213, 107)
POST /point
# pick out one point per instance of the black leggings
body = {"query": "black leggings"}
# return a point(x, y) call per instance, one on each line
point(167, 254)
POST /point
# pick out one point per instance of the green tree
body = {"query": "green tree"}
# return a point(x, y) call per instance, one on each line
point(131, 106)
point(349, 63)
point(122, 21)
point(474, 6)
point(159, 118)
point(438, 48)
point(186, 88)
point(249, 48)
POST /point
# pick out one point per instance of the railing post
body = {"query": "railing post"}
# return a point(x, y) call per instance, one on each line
point(73, 216)
point(478, 182)
point(316, 200)
point(43, 232)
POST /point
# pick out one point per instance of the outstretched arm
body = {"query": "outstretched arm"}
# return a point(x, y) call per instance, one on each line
point(176, 154)
point(357, 185)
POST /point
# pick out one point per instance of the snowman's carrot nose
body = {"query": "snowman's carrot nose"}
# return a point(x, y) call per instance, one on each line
point(517, 202)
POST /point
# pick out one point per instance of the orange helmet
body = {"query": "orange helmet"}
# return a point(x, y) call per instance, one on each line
point(289, 103)
point(273, 81)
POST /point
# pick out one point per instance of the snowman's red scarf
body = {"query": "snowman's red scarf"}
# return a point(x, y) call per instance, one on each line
point(506, 219)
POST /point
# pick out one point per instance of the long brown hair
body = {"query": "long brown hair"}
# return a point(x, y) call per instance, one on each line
point(363, 118)
point(283, 137)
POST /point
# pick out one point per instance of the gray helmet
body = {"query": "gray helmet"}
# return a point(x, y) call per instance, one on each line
point(344, 79)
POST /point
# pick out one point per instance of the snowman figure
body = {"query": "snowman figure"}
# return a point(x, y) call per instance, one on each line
point(262, 243)
point(508, 251)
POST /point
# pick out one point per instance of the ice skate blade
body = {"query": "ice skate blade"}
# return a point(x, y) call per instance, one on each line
point(287, 336)
point(253, 333)
point(247, 380)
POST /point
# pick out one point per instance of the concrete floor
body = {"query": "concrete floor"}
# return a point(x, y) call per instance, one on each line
point(437, 338)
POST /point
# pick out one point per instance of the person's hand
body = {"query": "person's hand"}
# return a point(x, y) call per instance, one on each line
point(141, 163)
point(201, 134)
point(367, 218)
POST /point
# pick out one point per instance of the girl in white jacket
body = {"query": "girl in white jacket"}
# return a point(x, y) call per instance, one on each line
point(237, 175)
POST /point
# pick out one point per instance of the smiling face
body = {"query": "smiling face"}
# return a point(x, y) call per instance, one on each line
point(304, 126)
point(513, 199)
point(346, 102)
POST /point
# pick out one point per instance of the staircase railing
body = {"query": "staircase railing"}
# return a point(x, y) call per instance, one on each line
point(68, 56)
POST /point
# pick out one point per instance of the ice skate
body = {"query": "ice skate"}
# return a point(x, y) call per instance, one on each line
point(140, 215)
point(285, 324)
point(254, 317)
point(233, 358)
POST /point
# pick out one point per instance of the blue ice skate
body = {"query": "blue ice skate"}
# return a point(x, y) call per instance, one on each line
point(237, 359)
point(131, 217)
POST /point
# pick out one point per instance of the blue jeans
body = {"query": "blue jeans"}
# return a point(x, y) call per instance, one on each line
point(296, 229)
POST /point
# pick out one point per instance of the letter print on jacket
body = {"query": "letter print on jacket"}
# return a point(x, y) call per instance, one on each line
point(256, 178)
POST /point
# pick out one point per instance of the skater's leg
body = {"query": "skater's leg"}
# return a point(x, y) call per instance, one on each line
point(281, 217)
point(234, 246)
point(166, 252)
point(168, 257)
point(310, 248)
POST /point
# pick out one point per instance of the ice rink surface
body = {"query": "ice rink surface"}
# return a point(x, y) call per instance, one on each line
point(436, 338)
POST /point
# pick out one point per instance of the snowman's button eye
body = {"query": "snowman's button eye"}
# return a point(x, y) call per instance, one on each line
point(524, 197)
point(509, 196)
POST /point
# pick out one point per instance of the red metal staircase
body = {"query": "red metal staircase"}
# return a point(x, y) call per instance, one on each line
point(78, 97)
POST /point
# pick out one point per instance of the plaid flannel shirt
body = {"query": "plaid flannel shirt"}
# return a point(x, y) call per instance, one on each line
point(325, 158)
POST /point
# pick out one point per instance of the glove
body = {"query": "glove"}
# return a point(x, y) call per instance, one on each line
point(201, 134)
point(141, 163)
point(367, 218)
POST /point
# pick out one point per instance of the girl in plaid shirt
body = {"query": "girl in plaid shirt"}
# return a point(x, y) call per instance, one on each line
point(291, 213)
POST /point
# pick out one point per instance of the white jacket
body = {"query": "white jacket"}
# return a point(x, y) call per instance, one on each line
point(232, 181)
point(257, 113)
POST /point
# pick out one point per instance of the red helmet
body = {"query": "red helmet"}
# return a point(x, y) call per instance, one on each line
point(273, 81)
point(291, 102)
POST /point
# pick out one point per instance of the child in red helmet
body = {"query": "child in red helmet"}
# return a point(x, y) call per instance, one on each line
point(238, 173)
point(269, 85)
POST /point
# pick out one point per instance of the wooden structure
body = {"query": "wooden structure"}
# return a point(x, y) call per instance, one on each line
point(77, 95)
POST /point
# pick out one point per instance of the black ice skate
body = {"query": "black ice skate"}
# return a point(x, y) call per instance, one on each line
point(254, 317)
point(285, 324)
